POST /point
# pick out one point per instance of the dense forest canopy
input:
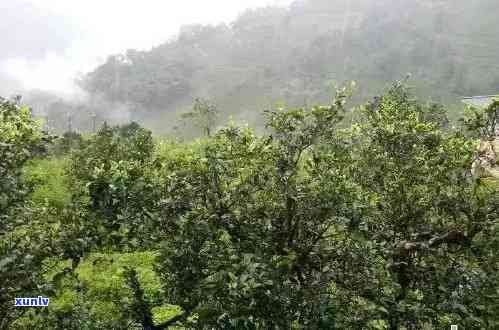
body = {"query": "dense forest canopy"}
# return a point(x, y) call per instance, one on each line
point(296, 54)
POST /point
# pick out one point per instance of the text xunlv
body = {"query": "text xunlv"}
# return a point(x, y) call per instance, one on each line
point(32, 302)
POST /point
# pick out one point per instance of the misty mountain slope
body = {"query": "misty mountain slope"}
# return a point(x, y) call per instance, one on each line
point(294, 54)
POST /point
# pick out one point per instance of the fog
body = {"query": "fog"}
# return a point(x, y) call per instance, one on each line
point(148, 60)
point(28, 34)
point(56, 41)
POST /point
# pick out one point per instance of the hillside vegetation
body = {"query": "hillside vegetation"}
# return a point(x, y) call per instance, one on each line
point(382, 224)
point(296, 54)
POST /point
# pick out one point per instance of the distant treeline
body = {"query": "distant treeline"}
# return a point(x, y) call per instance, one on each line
point(293, 55)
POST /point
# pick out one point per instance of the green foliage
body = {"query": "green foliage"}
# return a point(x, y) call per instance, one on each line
point(203, 116)
point(67, 142)
point(378, 226)
point(20, 258)
point(247, 244)
point(104, 274)
point(483, 122)
point(49, 181)
point(312, 225)
point(430, 227)
point(98, 294)
point(20, 138)
point(114, 177)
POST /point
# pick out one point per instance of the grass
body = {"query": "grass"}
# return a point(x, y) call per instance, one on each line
point(49, 180)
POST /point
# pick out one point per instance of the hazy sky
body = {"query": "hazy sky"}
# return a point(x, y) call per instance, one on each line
point(49, 41)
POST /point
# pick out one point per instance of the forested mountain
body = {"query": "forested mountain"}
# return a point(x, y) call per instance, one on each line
point(294, 54)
